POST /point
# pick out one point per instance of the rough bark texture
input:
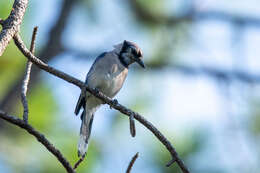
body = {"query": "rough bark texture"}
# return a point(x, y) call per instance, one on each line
point(12, 24)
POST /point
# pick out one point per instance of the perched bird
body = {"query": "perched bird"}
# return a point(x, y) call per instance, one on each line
point(107, 74)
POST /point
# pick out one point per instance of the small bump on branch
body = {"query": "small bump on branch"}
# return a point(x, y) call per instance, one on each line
point(132, 125)
point(170, 162)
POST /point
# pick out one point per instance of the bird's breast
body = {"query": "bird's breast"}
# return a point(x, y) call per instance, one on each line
point(113, 82)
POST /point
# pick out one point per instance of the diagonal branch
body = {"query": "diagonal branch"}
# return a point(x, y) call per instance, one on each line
point(131, 164)
point(40, 137)
point(27, 78)
point(12, 24)
point(19, 43)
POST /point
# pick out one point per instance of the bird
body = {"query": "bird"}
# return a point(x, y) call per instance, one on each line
point(107, 74)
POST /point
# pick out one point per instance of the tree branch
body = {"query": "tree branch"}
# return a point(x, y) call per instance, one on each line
point(12, 24)
point(40, 137)
point(19, 43)
point(27, 79)
point(131, 164)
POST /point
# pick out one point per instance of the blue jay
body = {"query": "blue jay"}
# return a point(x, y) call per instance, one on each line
point(107, 74)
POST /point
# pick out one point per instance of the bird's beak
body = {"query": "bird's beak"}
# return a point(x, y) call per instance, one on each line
point(140, 62)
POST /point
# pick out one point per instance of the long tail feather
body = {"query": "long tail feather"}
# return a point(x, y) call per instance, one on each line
point(85, 131)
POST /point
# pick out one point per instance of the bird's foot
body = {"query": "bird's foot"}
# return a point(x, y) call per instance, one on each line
point(115, 102)
point(96, 90)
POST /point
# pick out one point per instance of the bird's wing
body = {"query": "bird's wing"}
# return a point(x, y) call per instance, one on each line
point(83, 96)
point(81, 103)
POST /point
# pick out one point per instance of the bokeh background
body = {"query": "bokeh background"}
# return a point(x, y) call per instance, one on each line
point(200, 87)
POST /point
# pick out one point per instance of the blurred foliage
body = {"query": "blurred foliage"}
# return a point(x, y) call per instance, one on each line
point(154, 7)
point(5, 8)
point(43, 107)
point(12, 63)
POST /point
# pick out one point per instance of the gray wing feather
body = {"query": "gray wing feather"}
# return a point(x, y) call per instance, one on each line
point(81, 103)
point(102, 55)
point(82, 98)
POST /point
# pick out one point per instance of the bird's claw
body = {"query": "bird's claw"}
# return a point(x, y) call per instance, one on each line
point(115, 102)
point(96, 90)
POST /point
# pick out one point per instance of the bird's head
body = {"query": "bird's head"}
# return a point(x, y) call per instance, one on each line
point(130, 53)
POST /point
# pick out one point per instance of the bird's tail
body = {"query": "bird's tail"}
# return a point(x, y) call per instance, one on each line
point(85, 131)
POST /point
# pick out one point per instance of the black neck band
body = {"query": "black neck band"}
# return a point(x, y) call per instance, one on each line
point(121, 59)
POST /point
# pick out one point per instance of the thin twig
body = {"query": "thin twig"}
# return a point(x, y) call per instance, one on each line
point(32, 48)
point(19, 43)
point(40, 137)
point(132, 125)
point(78, 162)
point(132, 163)
point(27, 78)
